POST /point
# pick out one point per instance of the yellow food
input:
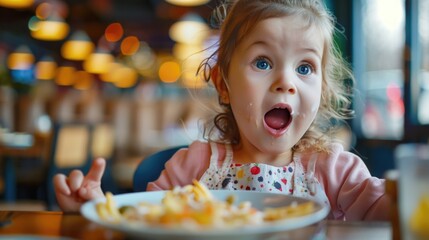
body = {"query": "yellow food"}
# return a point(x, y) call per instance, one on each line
point(419, 222)
point(294, 210)
point(108, 211)
point(194, 207)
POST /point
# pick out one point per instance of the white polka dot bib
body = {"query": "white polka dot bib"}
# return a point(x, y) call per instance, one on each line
point(290, 179)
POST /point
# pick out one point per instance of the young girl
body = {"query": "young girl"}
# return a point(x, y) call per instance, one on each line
point(280, 82)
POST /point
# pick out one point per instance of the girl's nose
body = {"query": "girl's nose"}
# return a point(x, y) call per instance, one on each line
point(283, 84)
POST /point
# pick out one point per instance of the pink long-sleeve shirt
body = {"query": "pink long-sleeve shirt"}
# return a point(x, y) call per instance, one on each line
point(352, 192)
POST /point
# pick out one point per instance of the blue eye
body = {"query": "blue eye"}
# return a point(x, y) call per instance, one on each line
point(262, 63)
point(304, 69)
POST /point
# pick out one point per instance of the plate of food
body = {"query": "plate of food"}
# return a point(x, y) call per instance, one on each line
point(194, 212)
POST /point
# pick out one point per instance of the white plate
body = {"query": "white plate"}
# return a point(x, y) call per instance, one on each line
point(306, 227)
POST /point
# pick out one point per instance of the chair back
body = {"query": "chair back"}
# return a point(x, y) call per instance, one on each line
point(71, 146)
point(151, 167)
point(103, 141)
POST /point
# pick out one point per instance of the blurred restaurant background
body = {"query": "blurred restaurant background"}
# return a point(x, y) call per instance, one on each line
point(117, 78)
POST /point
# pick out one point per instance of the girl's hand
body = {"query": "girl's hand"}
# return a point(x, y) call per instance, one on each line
point(74, 190)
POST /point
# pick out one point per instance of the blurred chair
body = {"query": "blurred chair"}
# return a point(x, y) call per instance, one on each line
point(103, 141)
point(151, 167)
point(391, 186)
point(25, 162)
point(31, 168)
point(103, 145)
point(70, 150)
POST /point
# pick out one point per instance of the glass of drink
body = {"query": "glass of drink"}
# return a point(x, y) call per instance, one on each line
point(412, 161)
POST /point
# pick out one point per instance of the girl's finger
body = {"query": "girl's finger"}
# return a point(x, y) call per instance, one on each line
point(97, 170)
point(75, 180)
point(90, 193)
point(60, 184)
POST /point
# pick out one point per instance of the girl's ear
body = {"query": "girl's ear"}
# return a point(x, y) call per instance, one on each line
point(220, 85)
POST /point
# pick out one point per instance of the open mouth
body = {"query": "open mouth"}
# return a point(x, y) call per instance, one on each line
point(278, 118)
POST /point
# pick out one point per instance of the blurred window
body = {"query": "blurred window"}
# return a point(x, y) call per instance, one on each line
point(391, 64)
point(422, 66)
point(378, 47)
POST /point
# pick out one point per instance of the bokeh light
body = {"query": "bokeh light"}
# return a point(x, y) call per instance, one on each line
point(114, 32)
point(65, 76)
point(130, 45)
point(169, 72)
point(83, 80)
point(21, 59)
point(16, 3)
point(46, 69)
point(98, 63)
point(44, 10)
point(126, 77)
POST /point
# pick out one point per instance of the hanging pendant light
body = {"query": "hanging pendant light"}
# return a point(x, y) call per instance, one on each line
point(46, 68)
point(84, 80)
point(17, 4)
point(191, 29)
point(50, 29)
point(126, 77)
point(109, 76)
point(98, 62)
point(65, 76)
point(188, 3)
point(21, 59)
point(78, 47)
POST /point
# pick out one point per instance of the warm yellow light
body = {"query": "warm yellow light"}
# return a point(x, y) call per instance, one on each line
point(83, 80)
point(109, 76)
point(169, 72)
point(191, 29)
point(65, 76)
point(189, 80)
point(191, 56)
point(77, 50)
point(21, 59)
point(49, 30)
point(16, 3)
point(46, 69)
point(78, 47)
point(188, 3)
point(185, 51)
point(125, 77)
point(98, 63)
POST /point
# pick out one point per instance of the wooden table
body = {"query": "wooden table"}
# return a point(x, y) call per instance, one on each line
point(58, 224)
point(40, 149)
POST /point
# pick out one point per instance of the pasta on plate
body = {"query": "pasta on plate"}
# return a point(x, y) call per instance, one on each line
point(194, 207)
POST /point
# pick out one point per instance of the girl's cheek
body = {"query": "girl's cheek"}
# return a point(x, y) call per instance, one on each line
point(315, 107)
point(249, 111)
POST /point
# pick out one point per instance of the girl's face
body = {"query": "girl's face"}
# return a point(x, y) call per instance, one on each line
point(274, 83)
